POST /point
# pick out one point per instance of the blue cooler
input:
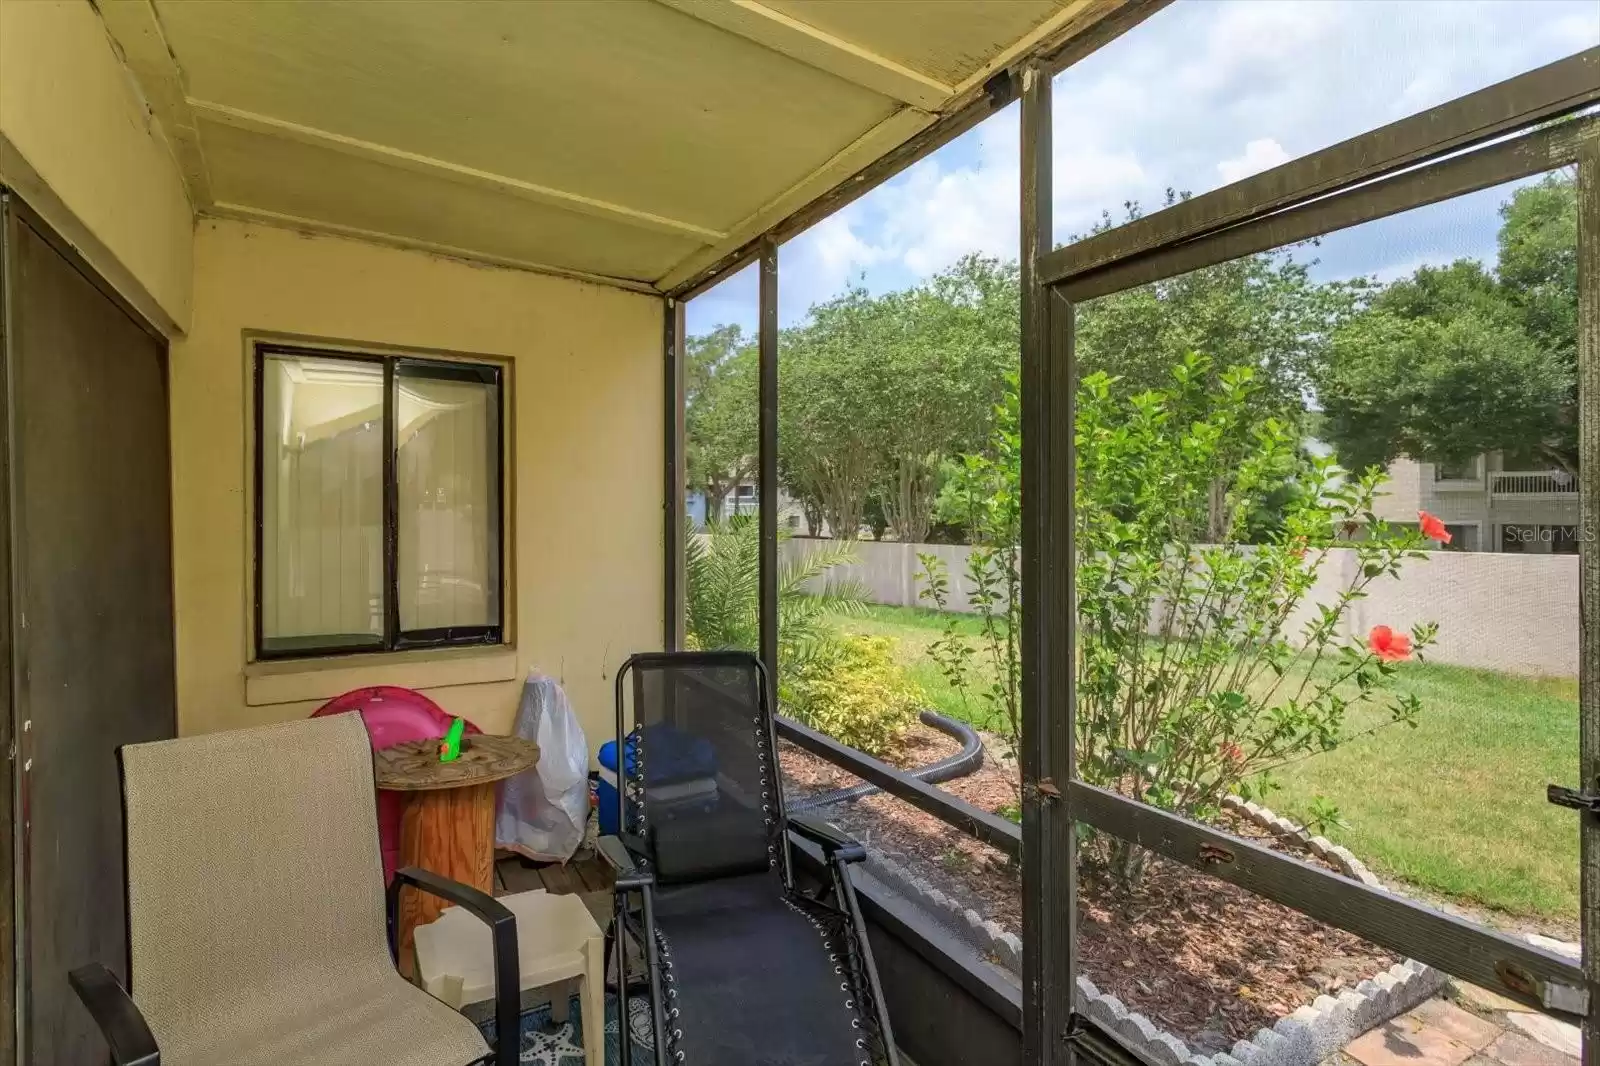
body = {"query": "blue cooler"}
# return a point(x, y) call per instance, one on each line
point(606, 789)
point(681, 773)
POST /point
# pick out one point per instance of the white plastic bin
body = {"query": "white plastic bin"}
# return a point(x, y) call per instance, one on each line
point(558, 943)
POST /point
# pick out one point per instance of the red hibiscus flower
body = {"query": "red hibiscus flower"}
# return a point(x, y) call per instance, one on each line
point(1388, 645)
point(1232, 754)
point(1433, 528)
point(1297, 547)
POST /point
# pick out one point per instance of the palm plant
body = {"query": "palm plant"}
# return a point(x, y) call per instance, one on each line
point(723, 568)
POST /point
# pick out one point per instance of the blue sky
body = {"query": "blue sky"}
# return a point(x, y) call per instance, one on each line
point(1204, 93)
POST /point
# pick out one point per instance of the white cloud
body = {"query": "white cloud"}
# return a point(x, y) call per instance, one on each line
point(821, 262)
point(939, 212)
point(1242, 46)
point(1429, 87)
point(1198, 96)
point(1264, 153)
point(1577, 31)
point(950, 214)
point(1170, 105)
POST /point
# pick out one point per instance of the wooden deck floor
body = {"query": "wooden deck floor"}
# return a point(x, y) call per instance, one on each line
point(586, 872)
point(586, 875)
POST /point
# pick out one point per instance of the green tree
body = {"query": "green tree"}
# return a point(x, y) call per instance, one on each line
point(1458, 360)
point(829, 426)
point(954, 340)
point(878, 391)
point(879, 394)
point(720, 414)
point(1441, 368)
point(1261, 311)
point(1538, 261)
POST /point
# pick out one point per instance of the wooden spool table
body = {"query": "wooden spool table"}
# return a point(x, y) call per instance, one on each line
point(448, 824)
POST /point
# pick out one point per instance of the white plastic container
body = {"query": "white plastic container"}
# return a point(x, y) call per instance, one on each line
point(558, 944)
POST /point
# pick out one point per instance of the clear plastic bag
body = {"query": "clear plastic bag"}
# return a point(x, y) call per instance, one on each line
point(543, 812)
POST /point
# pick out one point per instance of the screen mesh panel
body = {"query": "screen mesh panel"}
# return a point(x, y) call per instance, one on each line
point(702, 770)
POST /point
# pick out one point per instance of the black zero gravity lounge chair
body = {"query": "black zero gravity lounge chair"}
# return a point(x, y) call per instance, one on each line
point(745, 968)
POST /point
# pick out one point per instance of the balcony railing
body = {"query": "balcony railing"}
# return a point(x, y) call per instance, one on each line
point(1532, 483)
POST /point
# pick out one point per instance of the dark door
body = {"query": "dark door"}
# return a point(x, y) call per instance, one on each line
point(91, 653)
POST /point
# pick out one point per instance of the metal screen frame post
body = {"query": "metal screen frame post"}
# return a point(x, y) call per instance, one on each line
point(767, 455)
point(391, 513)
point(1589, 570)
point(673, 511)
point(1048, 860)
point(14, 874)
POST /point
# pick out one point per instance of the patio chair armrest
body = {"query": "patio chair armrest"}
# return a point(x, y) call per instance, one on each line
point(836, 844)
point(503, 933)
point(630, 875)
point(113, 1010)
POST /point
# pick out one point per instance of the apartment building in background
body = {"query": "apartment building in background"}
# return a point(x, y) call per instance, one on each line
point(1493, 503)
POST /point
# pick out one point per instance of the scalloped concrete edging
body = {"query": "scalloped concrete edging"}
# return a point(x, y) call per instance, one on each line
point(1321, 847)
point(1311, 1033)
point(1302, 1038)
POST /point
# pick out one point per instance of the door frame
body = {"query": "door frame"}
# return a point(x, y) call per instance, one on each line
point(15, 725)
point(1484, 139)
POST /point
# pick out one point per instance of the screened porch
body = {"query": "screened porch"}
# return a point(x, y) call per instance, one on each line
point(347, 346)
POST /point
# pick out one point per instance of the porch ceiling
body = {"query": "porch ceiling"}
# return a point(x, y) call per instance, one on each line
point(639, 140)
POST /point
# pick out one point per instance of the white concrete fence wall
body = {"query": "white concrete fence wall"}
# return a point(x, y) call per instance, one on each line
point(1495, 611)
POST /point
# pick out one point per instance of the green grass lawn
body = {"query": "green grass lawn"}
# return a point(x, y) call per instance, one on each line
point(914, 629)
point(1454, 807)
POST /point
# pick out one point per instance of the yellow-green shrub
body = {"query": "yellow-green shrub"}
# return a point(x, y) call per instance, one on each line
point(852, 689)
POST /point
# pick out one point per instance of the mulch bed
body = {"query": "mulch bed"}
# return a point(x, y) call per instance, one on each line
point(1205, 960)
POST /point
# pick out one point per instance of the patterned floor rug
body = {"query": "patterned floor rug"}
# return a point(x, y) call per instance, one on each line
point(545, 1043)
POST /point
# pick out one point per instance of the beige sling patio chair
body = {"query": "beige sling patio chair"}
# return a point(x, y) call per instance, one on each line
point(256, 913)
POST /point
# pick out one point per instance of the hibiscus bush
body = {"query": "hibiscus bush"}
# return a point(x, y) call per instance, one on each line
point(1204, 661)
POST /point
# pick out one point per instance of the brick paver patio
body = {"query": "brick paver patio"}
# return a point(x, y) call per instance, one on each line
point(1466, 1026)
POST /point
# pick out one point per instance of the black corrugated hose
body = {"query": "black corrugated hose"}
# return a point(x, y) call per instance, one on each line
point(964, 762)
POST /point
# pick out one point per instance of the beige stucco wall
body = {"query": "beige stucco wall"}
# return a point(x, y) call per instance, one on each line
point(585, 468)
point(77, 142)
point(1513, 613)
